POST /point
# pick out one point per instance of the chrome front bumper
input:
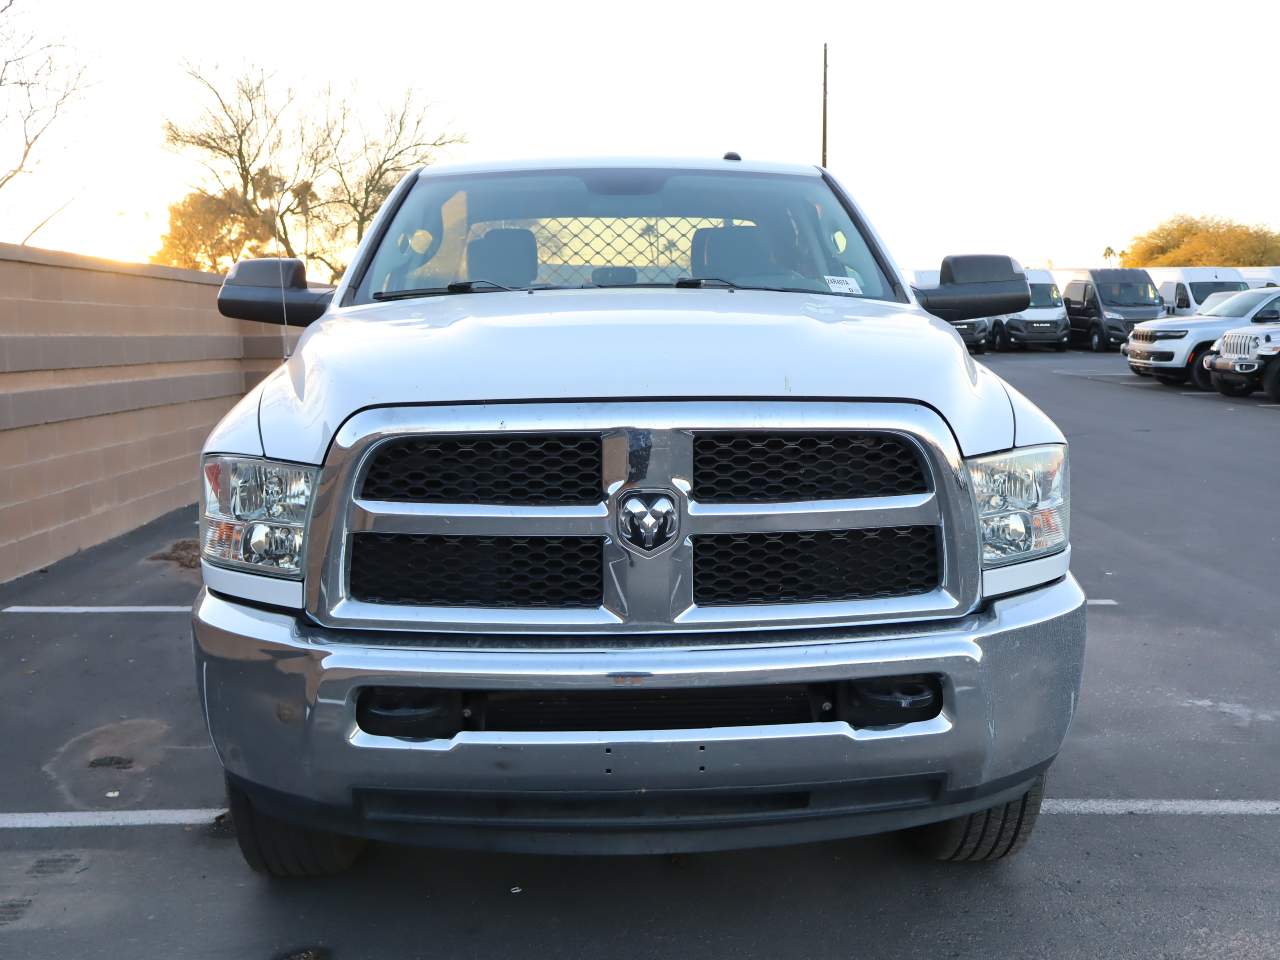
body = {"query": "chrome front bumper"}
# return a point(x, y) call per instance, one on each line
point(279, 697)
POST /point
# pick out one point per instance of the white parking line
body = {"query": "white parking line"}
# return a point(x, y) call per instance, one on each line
point(1103, 603)
point(147, 609)
point(198, 816)
point(1198, 808)
point(107, 818)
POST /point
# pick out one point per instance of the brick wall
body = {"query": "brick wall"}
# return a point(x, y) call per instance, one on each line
point(111, 376)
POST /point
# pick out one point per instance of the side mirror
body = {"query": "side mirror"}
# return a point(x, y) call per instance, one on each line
point(976, 286)
point(1267, 315)
point(271, 290)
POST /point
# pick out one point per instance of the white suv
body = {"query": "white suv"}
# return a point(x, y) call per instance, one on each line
point(1245, 358)
point(1173, 349)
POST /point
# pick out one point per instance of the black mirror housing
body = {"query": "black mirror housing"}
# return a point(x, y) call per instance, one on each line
point(1267, 316)
point(271, 290)
point(976, 286)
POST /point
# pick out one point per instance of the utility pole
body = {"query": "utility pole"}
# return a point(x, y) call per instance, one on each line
point(824, 105)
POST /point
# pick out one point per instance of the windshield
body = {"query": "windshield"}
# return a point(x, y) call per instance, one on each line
point(1128, 294)
point(1202, 290)
point(1045, 295)
point(621, 228)
point(1240, 305)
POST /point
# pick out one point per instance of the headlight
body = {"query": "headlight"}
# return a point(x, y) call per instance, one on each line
point(1170, 334)
point(1023, 499)
point(254, 514)
point(1112, 316)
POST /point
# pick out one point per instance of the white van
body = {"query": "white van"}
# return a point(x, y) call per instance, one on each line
point(1184, 288)
point(1043, 323)
point(1260, 276)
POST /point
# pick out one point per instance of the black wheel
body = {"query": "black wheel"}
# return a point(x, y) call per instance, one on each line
point(1000, 338)
point(1097, 339)
point(987, 835)
point(1200, 378)
point(1231, 388)
point(1271, 381)
point(281, 849)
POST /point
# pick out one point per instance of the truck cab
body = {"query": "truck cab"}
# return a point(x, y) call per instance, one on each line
point(632, 506)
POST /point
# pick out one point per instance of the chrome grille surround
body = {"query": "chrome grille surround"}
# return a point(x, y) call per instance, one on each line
point(648, 445)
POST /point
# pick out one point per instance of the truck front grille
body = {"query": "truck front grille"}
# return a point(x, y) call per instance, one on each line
point(1143, 336)
point(788, 467)
point(529, 519)
point(806, 567)
point(495, 572)
point(1237, 345)
point(555, 468)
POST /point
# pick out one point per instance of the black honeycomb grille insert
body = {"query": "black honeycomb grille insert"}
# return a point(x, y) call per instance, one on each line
point(532, 469)
point(502, 572)
point(799, 567)
point(755, 467)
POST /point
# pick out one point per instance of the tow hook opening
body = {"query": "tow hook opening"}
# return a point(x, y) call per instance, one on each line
point(425, 713)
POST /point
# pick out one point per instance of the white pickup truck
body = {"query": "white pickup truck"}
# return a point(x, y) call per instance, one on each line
point(632, 506)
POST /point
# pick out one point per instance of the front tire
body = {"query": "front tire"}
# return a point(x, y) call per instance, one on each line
point(280, 849)
point(1229, 389)
point(1271, 381)
point(1201, 378)
point(985, 836)
point(1097, 339)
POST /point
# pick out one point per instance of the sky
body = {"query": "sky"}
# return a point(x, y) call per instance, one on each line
point(1045, 130)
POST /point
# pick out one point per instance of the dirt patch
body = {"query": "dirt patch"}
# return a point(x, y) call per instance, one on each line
point(185, 553)
point(221, 828)
point(112, 761)
point(131, 749)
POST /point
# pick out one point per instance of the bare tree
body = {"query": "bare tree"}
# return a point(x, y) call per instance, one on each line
point(367, 165)
point(261, 153)
point(313, 178)
point(36, 85)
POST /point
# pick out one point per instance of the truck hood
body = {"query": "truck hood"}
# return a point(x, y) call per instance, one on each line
point(625, 344)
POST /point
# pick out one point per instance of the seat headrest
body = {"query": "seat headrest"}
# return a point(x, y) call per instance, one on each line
point(506, 255)
point(730, 253)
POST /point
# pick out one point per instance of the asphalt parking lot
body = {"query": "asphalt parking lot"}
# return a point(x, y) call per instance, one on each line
point(1176, 540)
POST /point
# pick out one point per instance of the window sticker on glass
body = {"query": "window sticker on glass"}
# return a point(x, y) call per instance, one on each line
point(843, 285)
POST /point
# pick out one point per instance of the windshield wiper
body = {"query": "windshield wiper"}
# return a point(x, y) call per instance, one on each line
point(458, 286)
point(703, 281)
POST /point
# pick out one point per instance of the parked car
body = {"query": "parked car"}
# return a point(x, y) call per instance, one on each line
point(1184, 289)
point(1043, 323)
point(974, 331)
point(1103, 305)
point(1173, 349)
point(1244, 359)
point(1260, 276)
point(501, 560)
